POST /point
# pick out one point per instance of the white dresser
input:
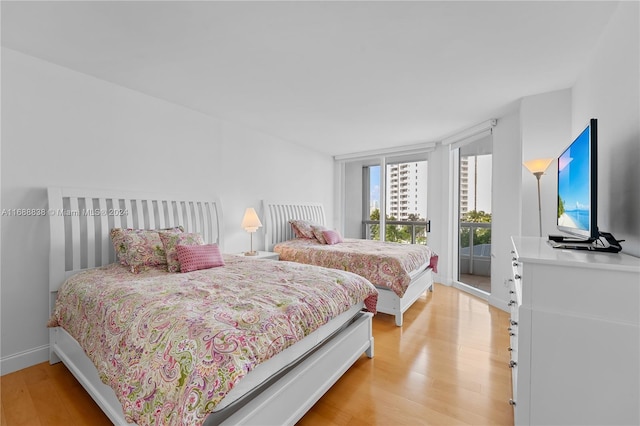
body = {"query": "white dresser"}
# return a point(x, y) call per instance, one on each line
point(575, 336)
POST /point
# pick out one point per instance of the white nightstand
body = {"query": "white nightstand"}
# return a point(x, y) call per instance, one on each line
point(261, 255)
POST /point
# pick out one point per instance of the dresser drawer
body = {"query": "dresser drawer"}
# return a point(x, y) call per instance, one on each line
point(515, 290)
point(513, 342)
point(515, 301)
point(513, 331)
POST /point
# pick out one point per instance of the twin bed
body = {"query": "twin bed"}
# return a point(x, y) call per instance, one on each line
point(400, 272)
point(233, 341)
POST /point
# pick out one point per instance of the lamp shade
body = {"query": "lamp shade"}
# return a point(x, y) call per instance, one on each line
point(539, 165)
point(251, 221)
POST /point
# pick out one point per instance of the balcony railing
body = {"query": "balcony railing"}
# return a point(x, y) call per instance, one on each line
point(406, 231)
point(475, 259)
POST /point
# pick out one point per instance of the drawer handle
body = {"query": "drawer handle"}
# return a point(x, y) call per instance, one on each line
point(512, 334)
point(510, 349)
point(512, 364)
point(513, 322)
point(512, 302)
point(512, 402)
point(517, 276)
point(515, 263)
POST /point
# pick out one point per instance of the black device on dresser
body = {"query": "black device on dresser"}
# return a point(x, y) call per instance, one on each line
point(578, 197)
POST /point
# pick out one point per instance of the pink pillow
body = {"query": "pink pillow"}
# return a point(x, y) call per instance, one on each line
point(170, 240)
point(193, 258)
point(332, 237)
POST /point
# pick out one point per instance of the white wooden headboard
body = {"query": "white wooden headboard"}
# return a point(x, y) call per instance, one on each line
point(81, 219)
point(277, 216)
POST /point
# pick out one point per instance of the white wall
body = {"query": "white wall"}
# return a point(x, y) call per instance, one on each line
point(545, 122)
point(353, 186)
point(506, 213)
point(608, 90)
point(439, 204)
point(63, 128)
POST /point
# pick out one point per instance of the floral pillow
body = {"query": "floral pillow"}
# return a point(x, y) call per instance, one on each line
point(302, 228)
point(317, 232)
point(332, 237)
point(140, 248)
point(117, 239)
point(193, 258)
point(170, 241)
point(144, 249)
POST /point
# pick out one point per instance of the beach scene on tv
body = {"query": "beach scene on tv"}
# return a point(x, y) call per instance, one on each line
point(573, 184)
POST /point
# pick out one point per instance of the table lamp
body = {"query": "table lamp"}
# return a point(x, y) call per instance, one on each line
point(251, 223)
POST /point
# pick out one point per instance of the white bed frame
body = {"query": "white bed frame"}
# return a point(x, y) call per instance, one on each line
point(278, 229)
point(80, 221)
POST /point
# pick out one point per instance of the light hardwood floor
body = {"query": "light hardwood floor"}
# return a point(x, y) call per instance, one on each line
point(446, 365)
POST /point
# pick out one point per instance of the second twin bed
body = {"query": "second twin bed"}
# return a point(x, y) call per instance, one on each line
point(401, 272)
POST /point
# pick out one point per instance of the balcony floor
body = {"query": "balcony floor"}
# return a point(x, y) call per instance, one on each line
point(480, 282)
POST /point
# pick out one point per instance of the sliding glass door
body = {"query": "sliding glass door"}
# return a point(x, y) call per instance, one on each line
point(474, 215)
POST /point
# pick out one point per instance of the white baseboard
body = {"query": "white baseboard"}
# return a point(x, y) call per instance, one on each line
point(25, 359)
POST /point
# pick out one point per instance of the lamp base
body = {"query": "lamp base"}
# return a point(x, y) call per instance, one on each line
point(250, 253)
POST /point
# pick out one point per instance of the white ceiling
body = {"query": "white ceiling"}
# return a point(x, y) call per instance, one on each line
point(339, 77)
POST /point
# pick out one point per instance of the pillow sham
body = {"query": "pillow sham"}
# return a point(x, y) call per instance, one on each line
point(138, 248)
point(332, 237)
point(117, 239)
point(193, 258)
point(171, 239)
point(302, 228)
point(144, 249)
point(317, 233)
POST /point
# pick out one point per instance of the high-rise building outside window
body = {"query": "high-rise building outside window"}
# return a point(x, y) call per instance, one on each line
point(405, 202)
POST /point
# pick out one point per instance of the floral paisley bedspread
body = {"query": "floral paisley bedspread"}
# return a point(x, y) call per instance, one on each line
point(385, 264)
point(173, 345)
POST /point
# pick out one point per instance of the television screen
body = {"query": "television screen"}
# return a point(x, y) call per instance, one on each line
point(577, 185)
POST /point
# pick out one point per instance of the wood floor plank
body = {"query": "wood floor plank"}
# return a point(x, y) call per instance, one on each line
point(454, 345)
point(327, 414)
point(51, 411)
point(3, 418)
point(447, 365)
point(18, 407)
point(75, 399)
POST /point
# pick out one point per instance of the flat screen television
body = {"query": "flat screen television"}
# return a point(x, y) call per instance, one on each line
point(578, 186)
